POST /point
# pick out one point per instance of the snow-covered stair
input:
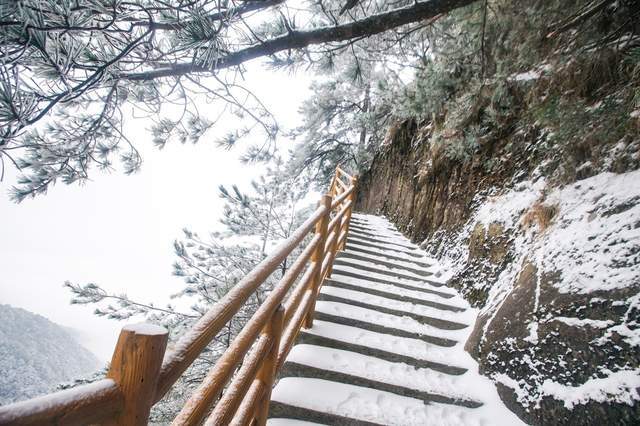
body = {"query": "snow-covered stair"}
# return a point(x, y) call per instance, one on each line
point(387, 343)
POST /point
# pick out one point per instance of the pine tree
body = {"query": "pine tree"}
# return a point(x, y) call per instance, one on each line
point(72, 71)
point(210, 266)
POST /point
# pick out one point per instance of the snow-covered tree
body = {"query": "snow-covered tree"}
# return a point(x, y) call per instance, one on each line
point(210, 266)
point(72, 70)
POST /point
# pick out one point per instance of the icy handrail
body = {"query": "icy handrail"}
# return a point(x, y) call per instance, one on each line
point(141, 373)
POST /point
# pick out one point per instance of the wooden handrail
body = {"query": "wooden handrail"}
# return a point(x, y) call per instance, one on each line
point(340, 199)
point(141, 373)
point(96, 402)
point(343, 185)
point(340, 171)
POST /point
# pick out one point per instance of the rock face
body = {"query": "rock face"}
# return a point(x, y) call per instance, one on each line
point(562, 350)
point(420, 199)
point(414, 183)
point(529, 340)
point(36, 355)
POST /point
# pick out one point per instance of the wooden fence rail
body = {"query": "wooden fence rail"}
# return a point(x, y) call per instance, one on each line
point(237, 389)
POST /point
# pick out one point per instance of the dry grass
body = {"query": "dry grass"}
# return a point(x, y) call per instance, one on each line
point(539, 214)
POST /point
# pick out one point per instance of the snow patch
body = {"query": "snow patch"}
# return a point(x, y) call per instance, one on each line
point(507, 208)
point(527, 76)
point(533, 333)
point(146, 329)
point(621, 386)
point(595, 237)
point(576, 322)
point(533, 74)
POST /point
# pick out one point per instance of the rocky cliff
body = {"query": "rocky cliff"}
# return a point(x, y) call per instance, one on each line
point(539, 222)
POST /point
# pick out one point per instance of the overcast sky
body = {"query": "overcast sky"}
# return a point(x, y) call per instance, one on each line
point(117, 230)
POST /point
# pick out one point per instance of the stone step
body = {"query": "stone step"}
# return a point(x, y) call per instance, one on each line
point(366, 266)
point(336, 282)
point(373, 274)
point(377, 328)
point(393, 322)
point(395, 250)
point(360, 224)
point(385, 236)
point(422, 319)
point(353, 368)
point(372, 230)
point(351, 247)
point(342, 270)
point(291, 422)
point(379, 231)
point(357, 405)
point(351, 255)
point(380, 240)
point(403, 346)
point(292, 369)
point(364, 222)
point(290, 411)
point(308, 338)
point(386, 346)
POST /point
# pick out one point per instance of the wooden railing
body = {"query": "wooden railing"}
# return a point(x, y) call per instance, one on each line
point(141, 373)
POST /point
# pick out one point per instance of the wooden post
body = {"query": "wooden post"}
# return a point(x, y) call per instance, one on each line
point(352, 198)
point(317, 258)
point(135, 367)
point(267, 372)
point(334, 245)
point(333, 187)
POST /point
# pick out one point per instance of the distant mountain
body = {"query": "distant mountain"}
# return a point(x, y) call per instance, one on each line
point(36, 355)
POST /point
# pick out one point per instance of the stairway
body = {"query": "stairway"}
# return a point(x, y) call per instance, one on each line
point(387, 344)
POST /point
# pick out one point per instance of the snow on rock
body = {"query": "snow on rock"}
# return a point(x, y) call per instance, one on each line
point(527, 76)
point(590, 247)
point(595, 239)
point(585, 322)
point(508, 207)
point(593, 242)
point(533, 333)
point(621, 386)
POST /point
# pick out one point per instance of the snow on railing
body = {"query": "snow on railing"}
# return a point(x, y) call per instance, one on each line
point(141, 373)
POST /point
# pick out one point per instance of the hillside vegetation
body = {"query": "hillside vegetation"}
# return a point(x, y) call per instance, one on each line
point(36, 355)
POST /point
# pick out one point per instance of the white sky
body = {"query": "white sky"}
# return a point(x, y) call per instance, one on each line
point(117, 230)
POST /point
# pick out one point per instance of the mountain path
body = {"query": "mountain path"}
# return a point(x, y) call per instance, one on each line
point(387, 344)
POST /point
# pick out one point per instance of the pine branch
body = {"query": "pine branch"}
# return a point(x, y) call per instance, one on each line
point(366, 27)
point(577, 20)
